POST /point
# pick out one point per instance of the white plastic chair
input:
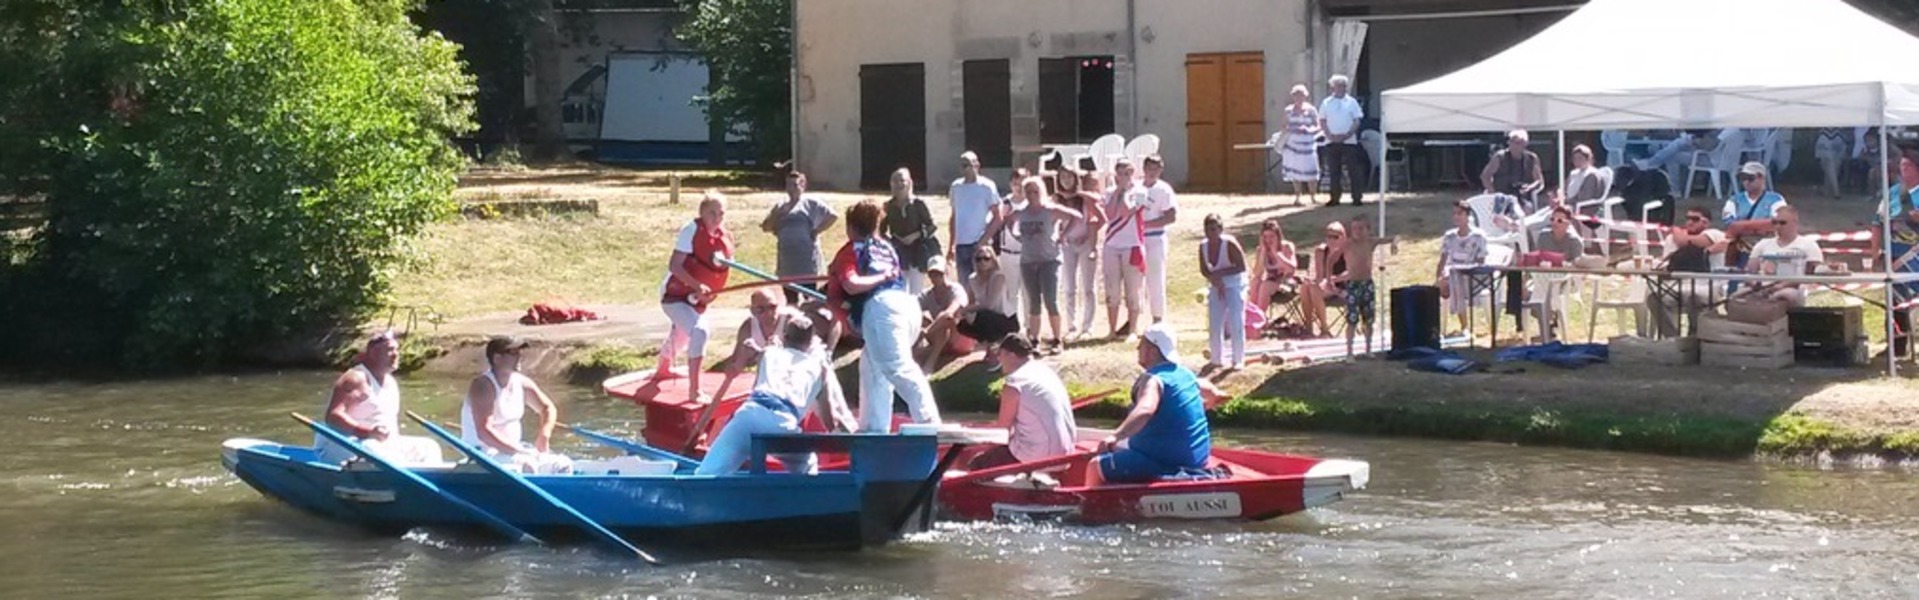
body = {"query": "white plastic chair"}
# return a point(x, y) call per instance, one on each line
point(1614, 141)
point(1482, 213)
point(1104, 152)
point(1759, 146)
point(1381, 155)
point(1622, 295)
point(1719, 163)
point(1068, 155)
point(1141, 147)
point(1550, 294)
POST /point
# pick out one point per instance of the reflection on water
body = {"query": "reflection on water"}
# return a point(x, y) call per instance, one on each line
point(115, 490)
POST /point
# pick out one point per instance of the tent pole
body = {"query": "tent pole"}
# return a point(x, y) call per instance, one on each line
point(1385, 146)
point(1562, 163)
point(1885, 237)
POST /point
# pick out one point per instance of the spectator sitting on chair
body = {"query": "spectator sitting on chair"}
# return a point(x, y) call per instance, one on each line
point(1462, 248)
point(1515, 171)
point(1560, 237)
point(940, 307)
point(1582, 185)
point(1328, 265)
point(1277, 263)
point(1675, 158)
point(1786, 254)
point(1694, 247)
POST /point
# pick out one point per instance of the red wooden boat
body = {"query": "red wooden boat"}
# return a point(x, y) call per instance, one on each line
point(1244, 485)
point(1247, 484)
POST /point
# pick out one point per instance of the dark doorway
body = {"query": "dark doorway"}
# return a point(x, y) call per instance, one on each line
point(988, 92)
point(1075, 99)
point(892, 123)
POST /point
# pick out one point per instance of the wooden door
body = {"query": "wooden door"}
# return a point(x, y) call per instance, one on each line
point(892, 123)
point(1225, 105)
point(1245, 120)
point(1206, 146)
point(1058, 101)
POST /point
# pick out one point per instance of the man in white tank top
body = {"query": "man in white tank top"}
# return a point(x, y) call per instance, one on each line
point(755, 336)
point(792, 380)
point(496, 401)
point(365, 404)
point(1033, 406)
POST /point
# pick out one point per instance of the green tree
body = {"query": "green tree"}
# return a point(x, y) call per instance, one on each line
point(217, 174)
point(748, 46)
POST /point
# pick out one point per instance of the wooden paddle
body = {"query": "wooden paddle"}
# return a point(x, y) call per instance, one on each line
point(779, 281)
point(742, 267)
point(614, 442)
point(559, 507)
point(419, 483)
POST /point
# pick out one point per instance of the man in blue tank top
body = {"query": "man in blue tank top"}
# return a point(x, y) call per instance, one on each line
point(1166, 431)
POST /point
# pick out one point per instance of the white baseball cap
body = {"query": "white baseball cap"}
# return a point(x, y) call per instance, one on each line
point(1160, 335)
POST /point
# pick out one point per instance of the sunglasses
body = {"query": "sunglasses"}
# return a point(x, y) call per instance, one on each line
point(1778, 222)
point(1694, 218)
point(983, 259)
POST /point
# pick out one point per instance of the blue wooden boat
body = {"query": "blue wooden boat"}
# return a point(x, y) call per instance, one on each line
point(870, 502)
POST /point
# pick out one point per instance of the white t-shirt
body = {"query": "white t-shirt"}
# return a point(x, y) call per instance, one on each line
point(1043, 426)
point(1791, 258)
point(1159, 199)
point(1342, 114)
point(791, 375)
point(972, 208)
point(1120, 203)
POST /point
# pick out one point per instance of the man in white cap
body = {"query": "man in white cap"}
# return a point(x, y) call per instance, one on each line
point(1747, 215)
point(940, 307)
point(1166, 432)
point(365, 404)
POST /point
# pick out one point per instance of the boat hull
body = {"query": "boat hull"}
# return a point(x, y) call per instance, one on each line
point(1264, 485)
point(836, 510)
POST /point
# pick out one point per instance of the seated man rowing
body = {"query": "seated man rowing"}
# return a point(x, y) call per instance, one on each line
point(1033, 406)
point(365, 404)
point(1166, 432)
point(792, 380)
point(495, 402)
point(758, 333)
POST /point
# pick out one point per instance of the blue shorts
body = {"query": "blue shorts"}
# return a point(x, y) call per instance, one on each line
point(1126, 465)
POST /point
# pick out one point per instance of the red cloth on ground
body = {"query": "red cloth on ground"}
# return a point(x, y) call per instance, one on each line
point(548, 314)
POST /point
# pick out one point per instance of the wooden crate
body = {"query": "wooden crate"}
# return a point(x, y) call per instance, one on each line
point(1633, 350)
point(1727, 343)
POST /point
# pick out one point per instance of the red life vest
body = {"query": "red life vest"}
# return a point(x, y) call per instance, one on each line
point(702, 267)
point(844, 261)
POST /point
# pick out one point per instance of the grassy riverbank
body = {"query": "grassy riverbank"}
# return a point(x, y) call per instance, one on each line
point(475, 266)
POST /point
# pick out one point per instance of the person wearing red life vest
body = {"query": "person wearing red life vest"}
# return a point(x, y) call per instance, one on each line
point(864, 283)
point(692, 275)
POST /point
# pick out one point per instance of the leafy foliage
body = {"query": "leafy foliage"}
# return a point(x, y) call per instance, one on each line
point(748, 45)
point(218, 173)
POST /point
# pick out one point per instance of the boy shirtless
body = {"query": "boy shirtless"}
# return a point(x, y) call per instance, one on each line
point(1358, 278)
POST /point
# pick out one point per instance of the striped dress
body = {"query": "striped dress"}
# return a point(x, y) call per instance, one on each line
point(1299, 155)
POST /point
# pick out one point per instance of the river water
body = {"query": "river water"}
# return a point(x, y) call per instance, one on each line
point(116, 490)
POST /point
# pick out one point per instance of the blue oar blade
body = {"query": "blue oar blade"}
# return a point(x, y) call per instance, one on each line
point(742, 267)
point(559, 507)
point(631, 447)
point(421, 484)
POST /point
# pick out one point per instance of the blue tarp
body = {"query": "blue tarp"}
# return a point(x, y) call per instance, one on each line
point(1436, 361)
point(1567, 356)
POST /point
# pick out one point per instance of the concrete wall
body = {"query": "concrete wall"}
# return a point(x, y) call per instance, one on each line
point(1403, 53)
point(836, 37)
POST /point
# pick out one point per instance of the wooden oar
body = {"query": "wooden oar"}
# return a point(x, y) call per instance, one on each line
point(743, 268)
point(559, 506)
point(1024, 467)
point(779, 281)
point(699, 427)
point(419, 483)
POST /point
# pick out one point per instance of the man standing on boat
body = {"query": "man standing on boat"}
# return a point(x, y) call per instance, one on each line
point(1033, 407)
point(495, 402)
point(366, 405)
point(792, 377)
point(865, 276)
point(692, 277)
point(1166, 432)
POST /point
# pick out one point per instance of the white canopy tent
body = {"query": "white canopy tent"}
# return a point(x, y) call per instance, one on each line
point(1690, 64)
